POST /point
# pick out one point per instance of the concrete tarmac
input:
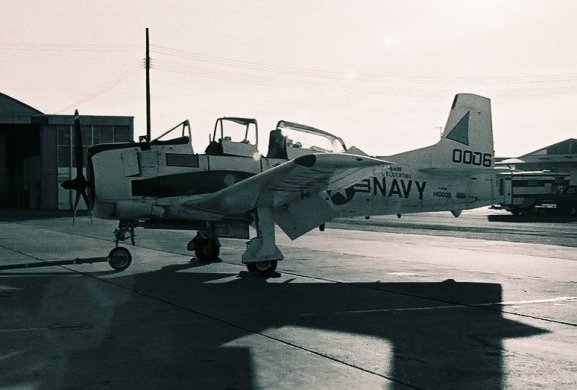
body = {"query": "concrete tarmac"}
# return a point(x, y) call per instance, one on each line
point(415, 304)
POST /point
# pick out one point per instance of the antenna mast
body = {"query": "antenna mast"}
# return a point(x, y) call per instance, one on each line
point(147, 66)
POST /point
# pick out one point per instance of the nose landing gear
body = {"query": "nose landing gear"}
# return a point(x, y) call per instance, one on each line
point(119, 258)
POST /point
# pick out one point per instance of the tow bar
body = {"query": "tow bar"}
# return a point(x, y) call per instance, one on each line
point(119, 259)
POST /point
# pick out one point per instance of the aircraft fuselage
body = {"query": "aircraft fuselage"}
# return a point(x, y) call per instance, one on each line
point(132, 183)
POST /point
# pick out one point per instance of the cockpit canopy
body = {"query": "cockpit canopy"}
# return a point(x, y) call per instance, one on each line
point(290, 140)
point(239, 139)
point(235, 136)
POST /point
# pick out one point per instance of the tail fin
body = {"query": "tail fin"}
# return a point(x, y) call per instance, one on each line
point(466, 143)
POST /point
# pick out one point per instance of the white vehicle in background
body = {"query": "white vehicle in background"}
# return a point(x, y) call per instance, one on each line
point(529, 192)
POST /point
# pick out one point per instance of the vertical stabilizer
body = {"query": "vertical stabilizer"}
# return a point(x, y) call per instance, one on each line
point(467, 141)
point(469, 124)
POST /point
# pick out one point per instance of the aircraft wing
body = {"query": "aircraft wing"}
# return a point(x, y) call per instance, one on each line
point(293, 180)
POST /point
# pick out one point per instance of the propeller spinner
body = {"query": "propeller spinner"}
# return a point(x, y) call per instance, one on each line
point(79, 183)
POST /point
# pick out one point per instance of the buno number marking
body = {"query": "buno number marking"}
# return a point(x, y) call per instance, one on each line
point(472, 158)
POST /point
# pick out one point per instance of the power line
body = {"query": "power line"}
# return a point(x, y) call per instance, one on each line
point(66, 47)
point(281, 80)
point(334, 75)
point(290, 70)
point(108, 86)
point(200, 65)
point(254, 73)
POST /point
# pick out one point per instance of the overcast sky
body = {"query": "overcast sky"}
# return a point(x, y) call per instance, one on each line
point(380, 74)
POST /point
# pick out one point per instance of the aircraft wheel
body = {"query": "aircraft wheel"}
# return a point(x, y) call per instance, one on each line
point(207, 250)
point(266, 268)
point(119, 258)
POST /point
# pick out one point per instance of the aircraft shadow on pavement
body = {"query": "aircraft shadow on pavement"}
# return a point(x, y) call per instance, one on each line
point(170, 329)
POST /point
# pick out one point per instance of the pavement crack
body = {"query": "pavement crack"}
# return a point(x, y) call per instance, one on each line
point(70, 327)
point(90, 385)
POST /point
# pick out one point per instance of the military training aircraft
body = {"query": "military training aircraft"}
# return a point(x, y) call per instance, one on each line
point(164, 183)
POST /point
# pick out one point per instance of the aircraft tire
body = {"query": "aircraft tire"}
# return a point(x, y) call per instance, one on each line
point(119, 258)
point(265, 268)
point(207, 250)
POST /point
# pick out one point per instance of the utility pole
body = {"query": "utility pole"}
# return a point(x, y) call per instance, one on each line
point(147, 66)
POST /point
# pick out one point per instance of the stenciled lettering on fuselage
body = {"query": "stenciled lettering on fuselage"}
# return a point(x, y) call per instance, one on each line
point(442, 192)
point(394, 184)
point(397, 172)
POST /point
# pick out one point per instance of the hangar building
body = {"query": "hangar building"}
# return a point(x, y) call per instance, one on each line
point(37, 154)
point(559, 157)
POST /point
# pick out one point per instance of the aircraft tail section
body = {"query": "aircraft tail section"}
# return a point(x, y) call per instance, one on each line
point(466, 143)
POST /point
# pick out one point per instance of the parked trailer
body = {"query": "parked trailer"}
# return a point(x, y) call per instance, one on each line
point(527, 192)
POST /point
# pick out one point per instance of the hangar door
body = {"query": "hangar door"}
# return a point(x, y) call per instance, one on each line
point(20, 170)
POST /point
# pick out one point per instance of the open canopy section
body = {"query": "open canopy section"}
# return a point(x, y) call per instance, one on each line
point(337, 144)
point(234, 136)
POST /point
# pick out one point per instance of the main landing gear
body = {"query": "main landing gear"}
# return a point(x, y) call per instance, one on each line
point(262, 255)
point(266, 268)
point(205, 246)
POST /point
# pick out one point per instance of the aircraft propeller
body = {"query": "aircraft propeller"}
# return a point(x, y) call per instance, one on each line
point(79, 183)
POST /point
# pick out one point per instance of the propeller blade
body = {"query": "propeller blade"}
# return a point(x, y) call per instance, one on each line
point(76, 200)
point(87, 201)
point(78, 145)
point(79, 183)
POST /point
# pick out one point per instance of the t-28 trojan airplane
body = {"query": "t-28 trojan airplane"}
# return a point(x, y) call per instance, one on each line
point(166, 184)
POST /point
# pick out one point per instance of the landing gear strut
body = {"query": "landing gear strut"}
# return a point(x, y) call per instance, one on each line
point(262, 254)
point(124, 231)
point(119, 257)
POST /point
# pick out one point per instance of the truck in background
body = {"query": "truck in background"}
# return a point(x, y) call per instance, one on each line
point(561, 203)
point(536, 192)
